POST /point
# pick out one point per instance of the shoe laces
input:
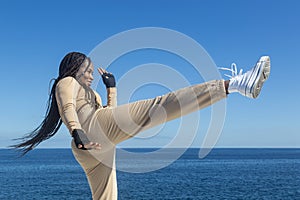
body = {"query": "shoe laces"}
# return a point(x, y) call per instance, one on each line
point(233, 69)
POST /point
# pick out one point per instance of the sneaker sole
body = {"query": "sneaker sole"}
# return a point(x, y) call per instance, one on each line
point(263, 67)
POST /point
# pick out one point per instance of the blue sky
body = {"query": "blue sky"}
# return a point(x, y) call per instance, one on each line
point(35, 36)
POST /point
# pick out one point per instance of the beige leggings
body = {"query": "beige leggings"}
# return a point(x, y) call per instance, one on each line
point(110, 126)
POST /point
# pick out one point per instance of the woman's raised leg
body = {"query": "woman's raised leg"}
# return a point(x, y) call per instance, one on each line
point(125, 121)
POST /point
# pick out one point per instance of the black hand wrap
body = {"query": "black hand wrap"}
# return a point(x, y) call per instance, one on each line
point(80, 138)
point(108, 80)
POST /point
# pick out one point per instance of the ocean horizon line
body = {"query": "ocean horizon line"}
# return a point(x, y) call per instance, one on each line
point(49, 148)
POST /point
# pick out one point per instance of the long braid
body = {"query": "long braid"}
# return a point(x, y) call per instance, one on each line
point(69, 66)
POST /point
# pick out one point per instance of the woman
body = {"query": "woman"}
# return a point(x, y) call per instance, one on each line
point(75, 104)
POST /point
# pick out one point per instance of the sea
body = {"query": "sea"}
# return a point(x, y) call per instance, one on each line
point(225, 173)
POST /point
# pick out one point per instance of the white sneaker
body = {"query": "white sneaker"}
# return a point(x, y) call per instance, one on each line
point(250, 83)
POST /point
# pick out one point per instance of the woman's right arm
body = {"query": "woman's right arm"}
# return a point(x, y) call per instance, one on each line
point(66, 93)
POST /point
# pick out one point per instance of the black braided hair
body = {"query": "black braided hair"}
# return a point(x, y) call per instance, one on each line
point(69, 66)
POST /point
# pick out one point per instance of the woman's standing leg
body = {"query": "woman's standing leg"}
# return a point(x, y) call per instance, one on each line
point(100, 172)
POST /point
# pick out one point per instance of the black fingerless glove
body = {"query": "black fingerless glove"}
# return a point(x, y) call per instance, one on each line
point(108, 80)
point(80, 138)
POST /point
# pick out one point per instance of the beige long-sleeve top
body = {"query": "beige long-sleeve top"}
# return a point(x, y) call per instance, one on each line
point(77, 104)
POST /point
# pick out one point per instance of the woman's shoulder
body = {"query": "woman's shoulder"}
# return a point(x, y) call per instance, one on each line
point(67, 81)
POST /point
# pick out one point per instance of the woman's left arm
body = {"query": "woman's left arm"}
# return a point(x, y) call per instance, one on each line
point(110, 83)
point(111, 97)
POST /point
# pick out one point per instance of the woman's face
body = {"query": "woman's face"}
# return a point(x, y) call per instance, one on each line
point(85, 73)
